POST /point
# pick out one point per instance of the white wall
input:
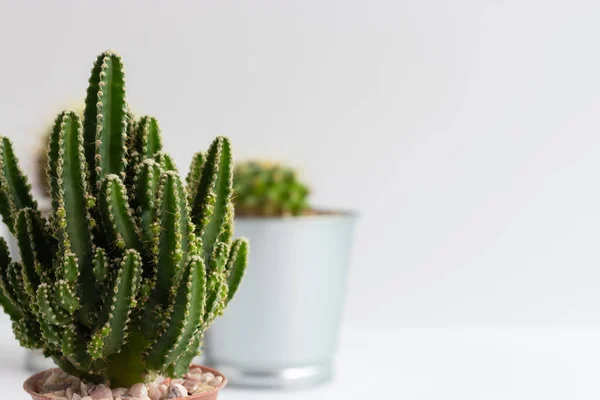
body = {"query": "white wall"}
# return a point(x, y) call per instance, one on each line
point(465, 132)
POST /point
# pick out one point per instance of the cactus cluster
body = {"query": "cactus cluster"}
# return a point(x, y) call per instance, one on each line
point(268, 189)
point(132, 266)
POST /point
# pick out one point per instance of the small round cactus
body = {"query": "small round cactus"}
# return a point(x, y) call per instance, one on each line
point(42, 162)
point(269, 189)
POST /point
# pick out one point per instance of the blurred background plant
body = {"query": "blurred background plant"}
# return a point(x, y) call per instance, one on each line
point(266, 189)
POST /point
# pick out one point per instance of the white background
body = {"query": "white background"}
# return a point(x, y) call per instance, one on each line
point(466, 133)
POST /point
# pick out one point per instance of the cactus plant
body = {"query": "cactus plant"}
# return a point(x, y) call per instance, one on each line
point(131, 267)
point(268, 189)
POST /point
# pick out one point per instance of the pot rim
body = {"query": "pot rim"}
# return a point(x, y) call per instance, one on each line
point(30, 382)
point(322, 213)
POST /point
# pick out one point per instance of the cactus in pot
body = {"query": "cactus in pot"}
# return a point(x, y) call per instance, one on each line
point(131, 267)
point(269, 189)
point(291, 311)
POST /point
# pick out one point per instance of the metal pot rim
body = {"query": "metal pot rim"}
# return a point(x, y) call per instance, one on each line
point(320, 214)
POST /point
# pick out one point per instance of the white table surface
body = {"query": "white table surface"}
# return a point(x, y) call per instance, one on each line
point(432, 364)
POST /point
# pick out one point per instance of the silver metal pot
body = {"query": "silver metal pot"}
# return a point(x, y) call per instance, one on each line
point(281, 330)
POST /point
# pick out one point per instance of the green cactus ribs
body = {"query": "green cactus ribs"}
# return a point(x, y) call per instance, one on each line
point(268, 189)
point(132, 266)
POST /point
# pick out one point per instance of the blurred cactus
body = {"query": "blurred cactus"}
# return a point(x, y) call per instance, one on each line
point(41, 163)
point(266, 189)
point(121, 280)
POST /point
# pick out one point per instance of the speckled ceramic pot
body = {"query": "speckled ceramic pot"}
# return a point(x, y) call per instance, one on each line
point(31, 386)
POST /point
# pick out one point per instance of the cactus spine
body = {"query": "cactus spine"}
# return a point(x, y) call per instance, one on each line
point(265, 189)
point(132, 266)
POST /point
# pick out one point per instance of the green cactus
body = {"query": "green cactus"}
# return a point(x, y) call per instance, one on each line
point(123, 278)
point(266, 189)
point(42, 154)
